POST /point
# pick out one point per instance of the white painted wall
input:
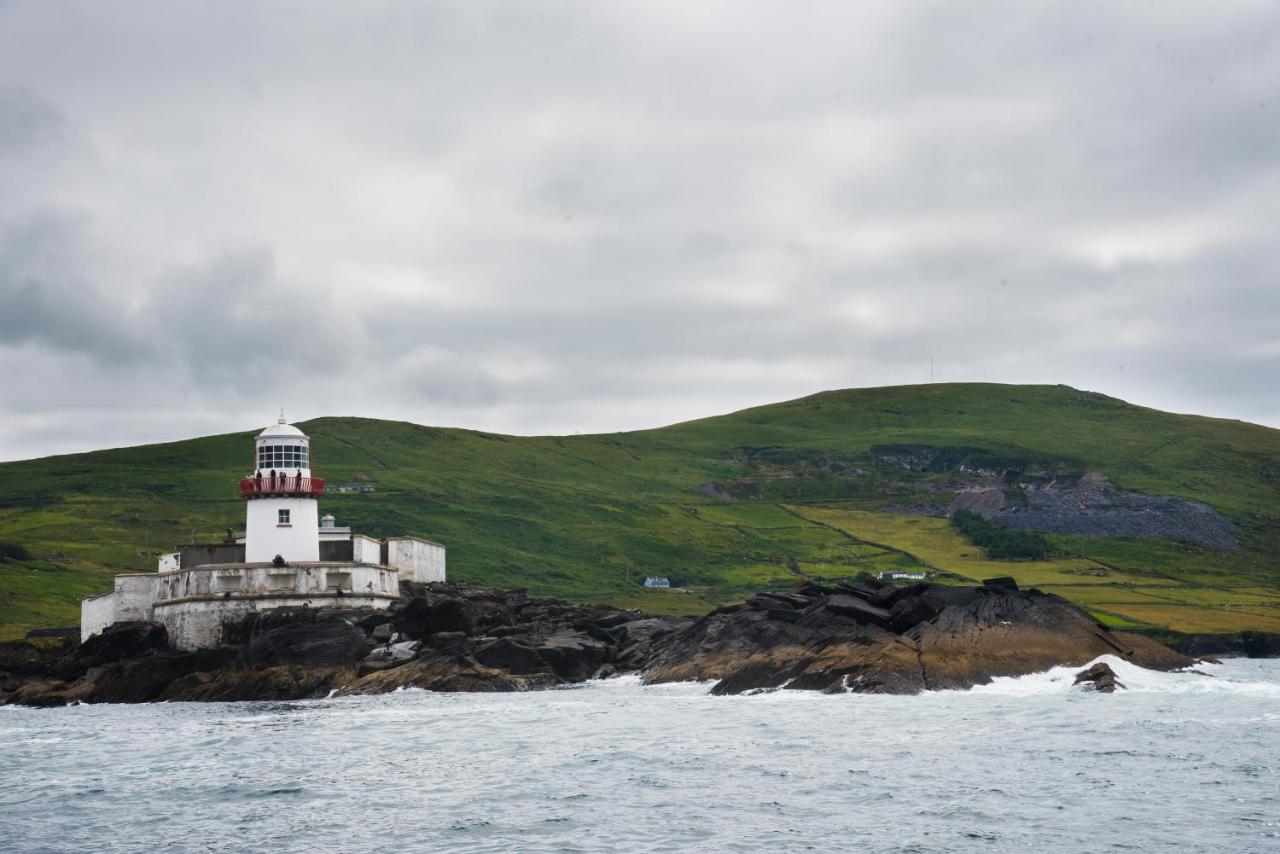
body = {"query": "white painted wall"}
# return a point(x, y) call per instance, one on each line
point(134, 595)
point(169, 562)
point(417, 559)
point(131, 600)
point(96, 614)
point(298, 542)
point(365, 549)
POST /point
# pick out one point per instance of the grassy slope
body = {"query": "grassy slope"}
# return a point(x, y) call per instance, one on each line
point(589, 516)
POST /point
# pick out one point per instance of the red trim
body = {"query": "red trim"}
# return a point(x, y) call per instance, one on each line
point(251, 486)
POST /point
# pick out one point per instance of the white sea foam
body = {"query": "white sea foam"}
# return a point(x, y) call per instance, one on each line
point(1203, 678)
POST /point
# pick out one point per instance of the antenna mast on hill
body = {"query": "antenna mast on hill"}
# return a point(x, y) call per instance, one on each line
point(930, 370)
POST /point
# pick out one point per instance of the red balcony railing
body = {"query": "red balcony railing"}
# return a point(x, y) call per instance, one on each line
point(281, 486)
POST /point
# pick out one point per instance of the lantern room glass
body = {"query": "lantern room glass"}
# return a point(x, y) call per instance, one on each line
point(283, 458)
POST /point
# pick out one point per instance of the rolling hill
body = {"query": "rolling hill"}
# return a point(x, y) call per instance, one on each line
point(823, 487)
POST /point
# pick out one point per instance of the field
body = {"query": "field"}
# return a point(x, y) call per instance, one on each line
point(722, 506)
point(1126, 599)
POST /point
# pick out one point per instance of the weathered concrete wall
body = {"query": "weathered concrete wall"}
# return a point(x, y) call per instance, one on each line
point(265, 537)
point(248, 579)
point(96, 614)
point(365, 549)
point(417, 559)
point(131, 600)
point(170, 562)
point(194, 603)
point(198, 623)
point(134, 595)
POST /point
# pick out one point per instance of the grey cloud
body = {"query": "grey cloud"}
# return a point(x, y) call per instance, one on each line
point(562, 216)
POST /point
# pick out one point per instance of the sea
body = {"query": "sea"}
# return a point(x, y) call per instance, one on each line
point(1179, 762)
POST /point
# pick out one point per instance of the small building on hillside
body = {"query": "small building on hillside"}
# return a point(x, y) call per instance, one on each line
point(657, 581)
point(288, 556)
point(902, 575)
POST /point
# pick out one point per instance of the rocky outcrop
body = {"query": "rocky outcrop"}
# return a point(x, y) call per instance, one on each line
point(439, 637)
point(1100, 677)
point(869, 638)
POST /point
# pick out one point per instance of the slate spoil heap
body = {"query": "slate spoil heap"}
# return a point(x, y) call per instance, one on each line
point(869, 638)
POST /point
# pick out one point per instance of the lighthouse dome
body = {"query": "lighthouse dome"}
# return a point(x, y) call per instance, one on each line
point(282, 430)
point(283, 447)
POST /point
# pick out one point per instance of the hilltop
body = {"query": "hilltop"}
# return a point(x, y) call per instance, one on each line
point(1156, 520)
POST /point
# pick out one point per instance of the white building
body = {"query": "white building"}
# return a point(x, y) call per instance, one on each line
point(902, 575)
point(657, 581)
point(287, 557)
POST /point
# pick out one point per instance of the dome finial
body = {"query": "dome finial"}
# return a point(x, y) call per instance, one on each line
point(282, 421)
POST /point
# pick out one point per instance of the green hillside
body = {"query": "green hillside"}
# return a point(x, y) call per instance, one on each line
point(723, 505)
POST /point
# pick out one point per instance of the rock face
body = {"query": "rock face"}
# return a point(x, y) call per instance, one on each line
point(869, 638)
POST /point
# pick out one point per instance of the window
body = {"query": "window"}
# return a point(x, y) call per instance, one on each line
point(284, 517)
point(282, 457)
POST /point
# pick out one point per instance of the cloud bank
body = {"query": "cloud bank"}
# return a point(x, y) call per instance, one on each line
point(573, 216)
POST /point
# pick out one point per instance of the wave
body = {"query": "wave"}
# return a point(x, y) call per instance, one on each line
point(1202, 679)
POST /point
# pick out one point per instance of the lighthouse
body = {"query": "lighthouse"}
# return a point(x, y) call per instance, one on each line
point(284, 560)
point(282, 517)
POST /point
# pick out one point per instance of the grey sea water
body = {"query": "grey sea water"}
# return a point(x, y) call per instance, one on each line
point(1180, 762)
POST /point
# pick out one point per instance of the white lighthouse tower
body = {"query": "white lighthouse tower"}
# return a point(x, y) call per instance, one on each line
point(282, 518)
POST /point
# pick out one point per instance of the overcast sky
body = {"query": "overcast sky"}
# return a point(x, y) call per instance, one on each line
point(548, 217)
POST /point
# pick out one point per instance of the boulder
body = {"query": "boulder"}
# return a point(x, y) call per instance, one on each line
point(422, 617)
point(574, 657)
point(391, 655)
point(1003, 582)
point(511, 655)
point(314, 643)
point(1100, 677)
point(114, 643)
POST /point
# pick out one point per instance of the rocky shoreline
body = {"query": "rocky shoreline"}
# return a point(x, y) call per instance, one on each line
point(863, 638)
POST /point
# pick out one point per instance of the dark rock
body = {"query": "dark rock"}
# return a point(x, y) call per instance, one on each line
point(910, 612)
point(862, 591)
point(382, 633)
point(413, 619)
point(511, 655)
point(857, 609)
point(372, 621)
point(422, 617)
point(1261, 644)
point(1100, 677)
point(454, 643)
point(1003, 582)
point(114, 643)
point(573, 657)
point(889, 594)
point(937, 638)
point(315, 643)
